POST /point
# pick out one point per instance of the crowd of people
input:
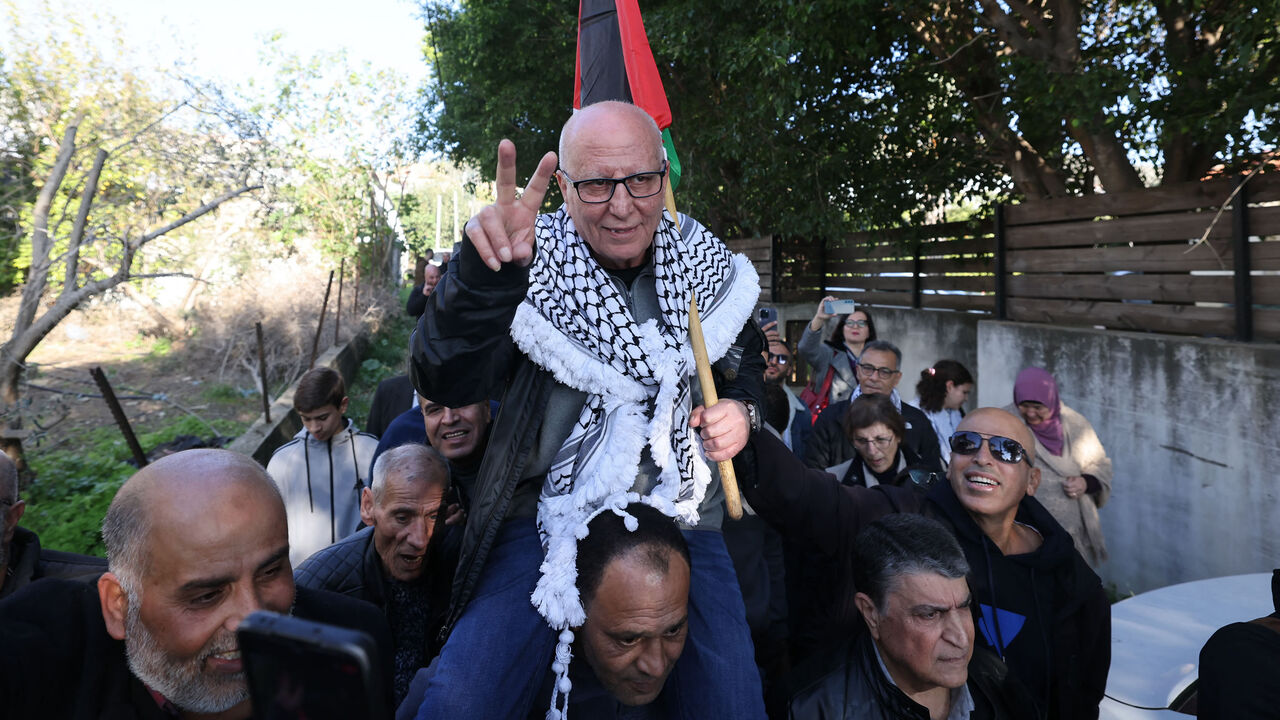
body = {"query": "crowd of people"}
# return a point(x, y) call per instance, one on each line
point(537, 526)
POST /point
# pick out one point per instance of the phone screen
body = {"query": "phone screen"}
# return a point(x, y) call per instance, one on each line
point(320, 677)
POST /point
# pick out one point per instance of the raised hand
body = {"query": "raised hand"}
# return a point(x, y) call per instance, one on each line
point(503, 232)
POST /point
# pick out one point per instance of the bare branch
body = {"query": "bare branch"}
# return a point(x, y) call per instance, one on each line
point(40, 212)
point(150, 125)
point(194, 214)
point(82, 218)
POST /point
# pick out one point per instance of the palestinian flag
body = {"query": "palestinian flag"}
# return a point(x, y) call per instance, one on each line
point(615, 63)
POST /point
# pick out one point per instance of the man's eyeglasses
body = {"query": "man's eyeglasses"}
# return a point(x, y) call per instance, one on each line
point(855, 323)
point(880, 442)
point(780, 359)
point(869, 370)
point(967, 442)
point(600, 190)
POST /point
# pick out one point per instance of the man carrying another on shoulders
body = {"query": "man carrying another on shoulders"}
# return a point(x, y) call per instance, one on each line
point(578, 321)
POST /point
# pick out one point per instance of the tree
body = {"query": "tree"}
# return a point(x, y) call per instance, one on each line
point(823, 117)
point(336, 133)
point(116, 167)
point(1065, 91)
point(784, 121)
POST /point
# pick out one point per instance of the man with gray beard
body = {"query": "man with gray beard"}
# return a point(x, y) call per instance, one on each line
point(195, 542)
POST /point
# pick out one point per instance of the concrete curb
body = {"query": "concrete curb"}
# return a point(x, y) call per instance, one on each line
point(262, 438)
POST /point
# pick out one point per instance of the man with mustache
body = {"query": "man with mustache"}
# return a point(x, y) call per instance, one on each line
point(1036, 603)
point(195, 542)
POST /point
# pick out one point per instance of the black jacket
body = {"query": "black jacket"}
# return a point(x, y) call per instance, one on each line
point(1054, 624)
point(29, 562)
point(857, 689)
point(828, 445)
point(59, 662)
point(462, 353)
point(353, 568)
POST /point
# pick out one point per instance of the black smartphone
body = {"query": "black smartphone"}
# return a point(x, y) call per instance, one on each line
point(768, 315)
point(303, 670)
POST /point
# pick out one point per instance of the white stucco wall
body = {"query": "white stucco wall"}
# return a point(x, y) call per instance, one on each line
point(1189, 425)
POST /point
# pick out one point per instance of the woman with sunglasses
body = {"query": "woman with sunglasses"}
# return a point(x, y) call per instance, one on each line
point(839, 354)
point(876, 430)
point(1075, 472)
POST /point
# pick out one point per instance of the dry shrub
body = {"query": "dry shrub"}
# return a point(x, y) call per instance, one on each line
point(285, 295)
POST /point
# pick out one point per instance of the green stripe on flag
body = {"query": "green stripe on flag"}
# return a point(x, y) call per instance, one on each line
point(672, 158)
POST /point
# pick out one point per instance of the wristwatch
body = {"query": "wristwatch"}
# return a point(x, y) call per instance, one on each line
point(753, 414)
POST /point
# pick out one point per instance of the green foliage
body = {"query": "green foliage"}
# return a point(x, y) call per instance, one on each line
point(74, 486)
point(387, 356)
point(829, 116)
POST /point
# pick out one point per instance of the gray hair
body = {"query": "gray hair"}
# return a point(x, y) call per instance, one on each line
point(124, 532)
point(8, 479)
point(410, 462)
point(903, 544)
point(568, 130)
point(884, 346)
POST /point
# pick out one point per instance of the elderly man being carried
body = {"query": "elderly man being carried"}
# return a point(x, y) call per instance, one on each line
point(577, 321)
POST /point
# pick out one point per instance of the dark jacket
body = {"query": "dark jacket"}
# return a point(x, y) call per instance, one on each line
point(393, 397)
point(828, 445)
point(857, 689)
point(59, 662)
point(1053, 624)
point(29, 562)
point(462, 353)
point(353, 568)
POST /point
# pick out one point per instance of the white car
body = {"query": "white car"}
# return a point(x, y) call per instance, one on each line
point(1156, 639)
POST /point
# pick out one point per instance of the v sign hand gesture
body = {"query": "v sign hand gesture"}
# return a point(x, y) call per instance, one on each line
point(503, 232)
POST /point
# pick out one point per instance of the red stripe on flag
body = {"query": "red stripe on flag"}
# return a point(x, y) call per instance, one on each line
point(642, 71)
point(577, 65)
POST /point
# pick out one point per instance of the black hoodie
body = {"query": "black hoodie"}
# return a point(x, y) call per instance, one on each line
point(1054, 623)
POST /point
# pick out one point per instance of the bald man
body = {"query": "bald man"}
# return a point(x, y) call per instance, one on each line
point(195, 542)
point(1037, 604)
point(577, 320)
point(22, 559)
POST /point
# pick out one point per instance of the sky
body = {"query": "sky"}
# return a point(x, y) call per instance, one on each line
point(221, 40)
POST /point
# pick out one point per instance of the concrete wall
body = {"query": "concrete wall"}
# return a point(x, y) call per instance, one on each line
point(262, 438)
point(1189, 425)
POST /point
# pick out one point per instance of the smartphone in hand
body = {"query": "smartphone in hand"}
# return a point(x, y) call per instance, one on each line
point(767, 315)
point(303, 670)
point(838, 307)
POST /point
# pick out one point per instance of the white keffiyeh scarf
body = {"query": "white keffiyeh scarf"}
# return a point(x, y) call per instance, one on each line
point(575, 324)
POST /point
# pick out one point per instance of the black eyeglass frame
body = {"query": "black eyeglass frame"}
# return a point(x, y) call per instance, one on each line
point(884, 372)
point(998, 445)
point(613, 188)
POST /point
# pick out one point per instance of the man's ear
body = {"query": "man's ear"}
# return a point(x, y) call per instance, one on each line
point(342, 409)
point(366, 506)
point(1033, 480)
point(11, 523)
point(115, 604)
point(869, 613)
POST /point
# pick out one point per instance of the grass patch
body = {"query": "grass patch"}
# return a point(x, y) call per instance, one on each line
point(224, 393)
point(72, 490)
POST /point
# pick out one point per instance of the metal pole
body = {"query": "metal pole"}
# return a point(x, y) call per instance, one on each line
point(915, 275)
point(337, 309)
point(117, 412)
point(315, 344)
point(262, 373)
point(1002, 297)
point(1243, 266)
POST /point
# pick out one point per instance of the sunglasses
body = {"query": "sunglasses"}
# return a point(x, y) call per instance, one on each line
point(967, 442)
point(780, 359)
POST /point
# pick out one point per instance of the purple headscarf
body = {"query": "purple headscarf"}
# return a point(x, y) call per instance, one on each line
point(1037, 385)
